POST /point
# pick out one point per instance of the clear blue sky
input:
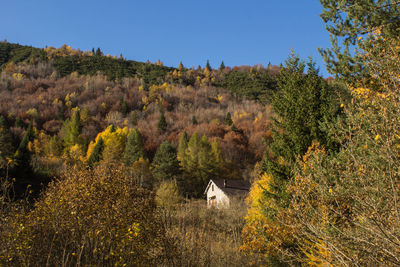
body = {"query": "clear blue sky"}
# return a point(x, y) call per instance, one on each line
point(238, 32)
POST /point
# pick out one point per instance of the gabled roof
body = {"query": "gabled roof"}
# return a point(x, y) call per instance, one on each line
point(230, 187)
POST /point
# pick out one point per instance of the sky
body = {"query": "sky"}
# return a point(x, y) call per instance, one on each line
point(237, 32)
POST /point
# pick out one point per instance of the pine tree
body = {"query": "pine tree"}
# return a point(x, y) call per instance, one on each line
point(133, 148)
point(180, 67)
point(96, 155)
point(208, 66)
point(222, 66)
point(162, 123)
point(165, 164)
point(228, 119)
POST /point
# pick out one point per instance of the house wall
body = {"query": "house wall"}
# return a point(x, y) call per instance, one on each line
point(220, 198)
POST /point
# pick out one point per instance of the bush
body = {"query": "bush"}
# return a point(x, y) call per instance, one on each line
point(89, 217)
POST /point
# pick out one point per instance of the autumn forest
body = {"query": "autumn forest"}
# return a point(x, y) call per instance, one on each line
point(104, 160)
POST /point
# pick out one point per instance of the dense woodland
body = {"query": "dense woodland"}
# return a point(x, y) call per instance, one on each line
point(104, 161)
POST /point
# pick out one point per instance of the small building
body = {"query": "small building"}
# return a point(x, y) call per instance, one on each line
point(220, 192)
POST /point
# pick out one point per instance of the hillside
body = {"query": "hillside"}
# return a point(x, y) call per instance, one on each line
point(46, 87)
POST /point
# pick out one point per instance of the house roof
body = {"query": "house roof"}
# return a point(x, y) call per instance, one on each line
point(230, 187)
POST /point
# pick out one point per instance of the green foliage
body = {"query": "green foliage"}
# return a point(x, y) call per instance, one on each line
point(162, 123)
point(96, 155)
point(165, 165)
point(133, 148)
point(222, 66)
point(6, 148)
point(346, 22)
point(255, 85)
point(71, 130)
point(228, 119)
point(304, 102)
point(182, 146)
point(200, 163)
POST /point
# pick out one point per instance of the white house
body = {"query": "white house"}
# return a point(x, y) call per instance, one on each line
point(221, 191)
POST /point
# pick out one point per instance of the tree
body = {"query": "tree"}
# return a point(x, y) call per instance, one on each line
point(165, 165)
point(96, 155)
point(222, 66)
point(22, 154)
point(182, 145)
point(347, 21)
point(180, 67)
point(72, 129)
point(124, 106)
point(194, 120)
point(208, 66)
point(303, 103)
point(6, 148)
point(162, 123)
point(133, 148)
point(228, 119)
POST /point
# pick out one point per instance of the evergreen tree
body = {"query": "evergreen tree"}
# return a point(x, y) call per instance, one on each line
point(208, 66)
point(165, 164)
point(302, 105)
point(194, 120)
point(228, 119)
point(98, 52)
point(6, 148)
point(96, 155)
point(22, 155)
point(124, 106)
point(180, 67)
point(349, 20)
point(72, 129)
point(182, 146)
point(133, 148)
point(18, 122)
point(162, 123)
point(222, 66)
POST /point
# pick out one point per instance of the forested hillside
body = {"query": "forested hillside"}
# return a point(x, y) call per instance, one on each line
point(104, 161)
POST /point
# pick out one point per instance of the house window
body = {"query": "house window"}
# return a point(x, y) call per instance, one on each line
point(212, 187)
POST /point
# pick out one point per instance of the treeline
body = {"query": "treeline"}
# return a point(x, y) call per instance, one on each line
point(255, 83)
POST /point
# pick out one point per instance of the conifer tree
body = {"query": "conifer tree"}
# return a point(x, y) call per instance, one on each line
point(162, 123)
point(180, 67)
point(194, 120)
point(6, 149)
point(208, 66)
point(96, 155)
point(71, 130)
point(182, 146)
point(22, 154)
point(347, 21)
point(222, 66)
point(165, 164)
point(133, 148)
point(228, 119)
point(124, 106)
